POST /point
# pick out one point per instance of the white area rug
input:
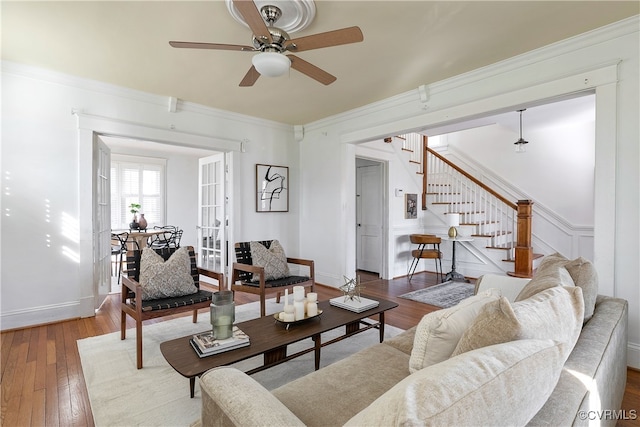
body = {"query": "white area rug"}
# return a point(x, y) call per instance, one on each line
point(156, 395)
point(444, 295)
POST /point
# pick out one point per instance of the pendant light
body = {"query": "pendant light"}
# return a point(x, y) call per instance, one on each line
point(521, 143)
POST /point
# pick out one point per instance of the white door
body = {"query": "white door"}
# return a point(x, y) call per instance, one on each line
point(369, 217)
point(102, 221)
point(212, 220)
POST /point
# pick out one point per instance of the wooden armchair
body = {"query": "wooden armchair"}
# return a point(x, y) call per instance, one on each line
point(133, 305)
point(243, 271)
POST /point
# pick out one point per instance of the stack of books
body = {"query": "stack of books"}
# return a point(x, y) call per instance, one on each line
point(206, 345)
point(357, 304)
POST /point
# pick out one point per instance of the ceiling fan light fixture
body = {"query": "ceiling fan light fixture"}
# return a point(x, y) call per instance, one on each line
point(271, 64)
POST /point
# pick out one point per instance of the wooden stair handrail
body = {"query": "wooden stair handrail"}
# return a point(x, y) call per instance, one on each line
point(471, 177)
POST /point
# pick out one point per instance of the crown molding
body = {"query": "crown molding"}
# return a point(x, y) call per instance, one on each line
point(415, 101)
point(37, 73)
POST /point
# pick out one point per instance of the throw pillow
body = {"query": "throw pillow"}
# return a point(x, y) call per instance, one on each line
point(166, 279)
point(555, 313)
point(504, 384)
point(273, 260)
point(438, 332)
point(585, 276)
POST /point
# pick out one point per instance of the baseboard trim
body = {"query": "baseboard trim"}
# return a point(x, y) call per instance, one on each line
point(37, 316)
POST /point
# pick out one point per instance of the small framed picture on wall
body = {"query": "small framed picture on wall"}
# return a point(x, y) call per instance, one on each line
point(411, 206)
point(272, 188)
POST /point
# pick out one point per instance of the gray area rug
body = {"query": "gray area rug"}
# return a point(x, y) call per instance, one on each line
point(444, 295)
point(156, 395)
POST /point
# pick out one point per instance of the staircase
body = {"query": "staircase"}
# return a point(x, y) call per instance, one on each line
point(501, 228)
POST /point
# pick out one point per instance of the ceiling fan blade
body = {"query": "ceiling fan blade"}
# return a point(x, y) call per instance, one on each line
point(252, 17)
point(218, 46)
point(330, 38)
point(250, 78)
point(311, 70)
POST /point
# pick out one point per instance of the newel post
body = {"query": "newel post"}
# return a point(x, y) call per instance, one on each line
point(524, 250)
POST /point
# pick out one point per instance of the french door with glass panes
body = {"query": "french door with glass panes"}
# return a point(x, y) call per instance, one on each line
point(211, 215)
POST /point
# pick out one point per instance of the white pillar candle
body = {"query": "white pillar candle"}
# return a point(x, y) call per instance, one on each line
point(298, 307)
point(289, 317)
point(298, 293)
point(288, 308)
point(286, 297)
point(281, 315)
point(312, 309)
point(312, 297)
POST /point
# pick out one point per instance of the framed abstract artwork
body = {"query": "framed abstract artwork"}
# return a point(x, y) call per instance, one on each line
point(272, 188)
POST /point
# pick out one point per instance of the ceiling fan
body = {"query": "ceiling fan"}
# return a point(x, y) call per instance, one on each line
point(273, 45)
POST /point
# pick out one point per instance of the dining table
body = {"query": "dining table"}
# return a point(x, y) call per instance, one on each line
point(139, 236)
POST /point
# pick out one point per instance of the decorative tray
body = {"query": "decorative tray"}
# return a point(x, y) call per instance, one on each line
point(276, 316)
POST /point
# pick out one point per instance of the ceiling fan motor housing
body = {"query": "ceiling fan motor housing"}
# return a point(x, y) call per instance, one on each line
point(278, 36)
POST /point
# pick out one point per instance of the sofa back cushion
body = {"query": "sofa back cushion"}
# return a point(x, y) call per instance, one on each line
point(585, 276)
point(504, 384)
point(555, 313)
point(550, 273)
point(556, 270)
point(438, 332)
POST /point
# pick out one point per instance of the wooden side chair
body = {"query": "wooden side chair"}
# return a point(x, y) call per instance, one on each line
point(428, 248)
point(140, 310)
point(242, 279)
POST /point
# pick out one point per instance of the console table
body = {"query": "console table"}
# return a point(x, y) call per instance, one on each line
point(453, 275)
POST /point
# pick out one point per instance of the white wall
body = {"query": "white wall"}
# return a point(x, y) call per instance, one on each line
point(557, 170)
point(46, 229)
point(591, 62)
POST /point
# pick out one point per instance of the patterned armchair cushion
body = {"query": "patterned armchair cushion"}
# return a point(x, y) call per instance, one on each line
point(166, 279)
point(272, 259)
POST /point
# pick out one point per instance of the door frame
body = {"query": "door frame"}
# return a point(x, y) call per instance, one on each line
point(384, 197)
point(89, 127)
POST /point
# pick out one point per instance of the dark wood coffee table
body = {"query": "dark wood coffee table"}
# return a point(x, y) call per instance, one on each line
point(270, 338)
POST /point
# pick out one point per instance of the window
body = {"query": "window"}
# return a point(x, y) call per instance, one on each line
point(137, 180)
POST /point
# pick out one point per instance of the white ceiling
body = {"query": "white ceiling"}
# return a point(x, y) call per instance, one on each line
point(406, 44)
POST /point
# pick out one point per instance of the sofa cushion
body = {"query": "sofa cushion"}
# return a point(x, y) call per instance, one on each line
point(584, 274)
point(345, 387)
point(556, 270)
point(273, 260)
point(550, 273)
point(489, 386)
point(555, 313)
point(166, 279)
point(403, 341)
point(507, 286)
point(438, 332)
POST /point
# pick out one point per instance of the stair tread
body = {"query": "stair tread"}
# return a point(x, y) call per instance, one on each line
point(494, 234)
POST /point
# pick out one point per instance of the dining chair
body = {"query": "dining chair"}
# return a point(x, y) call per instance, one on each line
point(428, 248)
point(169, 239)
point(118, 250)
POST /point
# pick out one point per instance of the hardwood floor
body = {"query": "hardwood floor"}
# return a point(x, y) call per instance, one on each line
point(42, 382)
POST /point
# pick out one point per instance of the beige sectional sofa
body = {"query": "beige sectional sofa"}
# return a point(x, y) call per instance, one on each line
point(542, 352)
